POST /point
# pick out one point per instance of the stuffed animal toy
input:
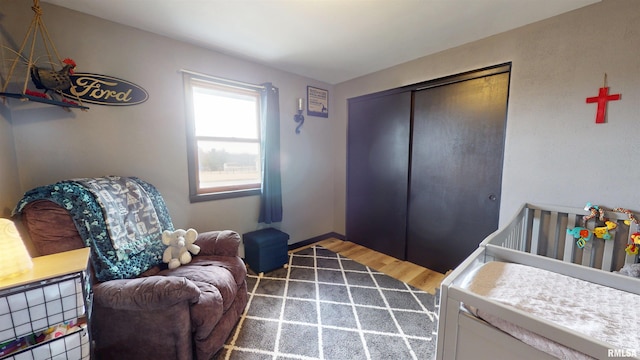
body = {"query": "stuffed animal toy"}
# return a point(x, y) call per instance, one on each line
point(582, 234)
point(632, 270)
point(631, 249)
point(180, 246)
point(602, 232)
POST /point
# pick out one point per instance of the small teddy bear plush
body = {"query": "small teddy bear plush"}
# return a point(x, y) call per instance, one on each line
point(180, 246)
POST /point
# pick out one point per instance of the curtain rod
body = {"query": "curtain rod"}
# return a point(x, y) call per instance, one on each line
point(215, 78)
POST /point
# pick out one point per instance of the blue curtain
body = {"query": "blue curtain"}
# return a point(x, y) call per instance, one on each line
point(271, 195)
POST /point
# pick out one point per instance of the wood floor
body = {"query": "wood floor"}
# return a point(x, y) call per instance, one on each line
point(412, 274)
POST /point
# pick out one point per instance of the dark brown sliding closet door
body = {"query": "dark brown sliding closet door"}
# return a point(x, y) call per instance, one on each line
point(377, 176)
point(456, 169)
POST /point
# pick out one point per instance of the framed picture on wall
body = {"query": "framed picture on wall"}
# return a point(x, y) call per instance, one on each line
point(317, 102)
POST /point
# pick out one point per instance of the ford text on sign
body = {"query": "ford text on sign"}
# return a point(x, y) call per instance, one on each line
point(105, 90)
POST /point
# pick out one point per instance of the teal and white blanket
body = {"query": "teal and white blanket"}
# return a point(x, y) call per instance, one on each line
point(120, 218)
point(130, 216)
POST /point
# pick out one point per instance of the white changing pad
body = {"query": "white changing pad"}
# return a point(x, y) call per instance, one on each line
point(597, 311)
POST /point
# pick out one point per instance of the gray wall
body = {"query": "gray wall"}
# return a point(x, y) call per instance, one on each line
point(148, 140)
point(9, 188)
point(554, 152)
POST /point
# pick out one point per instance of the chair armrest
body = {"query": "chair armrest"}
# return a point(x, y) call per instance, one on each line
point(148, 293)
point(223, 243)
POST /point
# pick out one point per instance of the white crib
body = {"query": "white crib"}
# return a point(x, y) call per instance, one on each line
point(537, 236)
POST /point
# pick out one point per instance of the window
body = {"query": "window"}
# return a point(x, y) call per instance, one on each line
point(223, 135)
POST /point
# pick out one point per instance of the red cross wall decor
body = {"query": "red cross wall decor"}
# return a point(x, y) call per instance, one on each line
point(601, 99)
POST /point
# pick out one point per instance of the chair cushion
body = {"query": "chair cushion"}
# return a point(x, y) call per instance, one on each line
point(223, 273)
point(51, 228)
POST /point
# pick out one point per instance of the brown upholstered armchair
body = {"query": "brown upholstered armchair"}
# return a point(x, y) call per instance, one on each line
point(184, 313)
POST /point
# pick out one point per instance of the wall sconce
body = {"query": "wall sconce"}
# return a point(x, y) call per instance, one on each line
point(14, 258)
point(299, 118)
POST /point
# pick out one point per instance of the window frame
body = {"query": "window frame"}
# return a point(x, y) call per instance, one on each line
point(197, 194)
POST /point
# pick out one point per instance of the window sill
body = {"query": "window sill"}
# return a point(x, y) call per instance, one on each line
point(223, 195)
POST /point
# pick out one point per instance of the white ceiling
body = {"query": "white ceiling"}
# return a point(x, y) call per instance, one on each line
point(327, 40)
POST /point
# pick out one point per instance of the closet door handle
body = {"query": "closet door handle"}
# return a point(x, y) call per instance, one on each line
point(493, 197)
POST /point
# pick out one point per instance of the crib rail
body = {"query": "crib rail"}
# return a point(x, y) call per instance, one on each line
point(542, 230)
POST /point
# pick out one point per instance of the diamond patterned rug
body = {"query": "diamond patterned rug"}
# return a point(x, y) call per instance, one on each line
point(327, 306)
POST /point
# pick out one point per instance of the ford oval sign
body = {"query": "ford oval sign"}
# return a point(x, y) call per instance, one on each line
point(105, 90)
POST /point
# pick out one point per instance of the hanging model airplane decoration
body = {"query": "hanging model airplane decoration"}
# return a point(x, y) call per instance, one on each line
point(62, 86)
point(51, 80)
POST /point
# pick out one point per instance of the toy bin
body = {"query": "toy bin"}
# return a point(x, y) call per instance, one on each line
point(266, 249)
